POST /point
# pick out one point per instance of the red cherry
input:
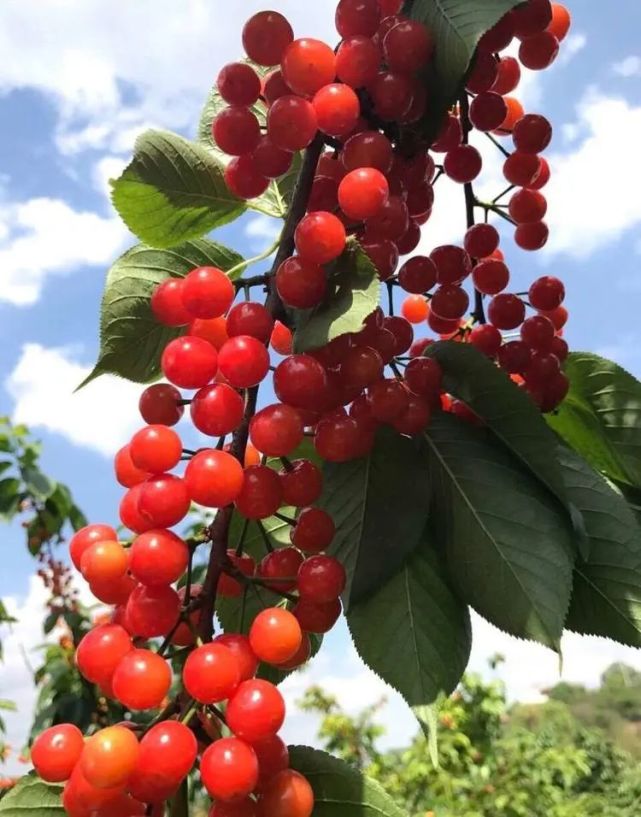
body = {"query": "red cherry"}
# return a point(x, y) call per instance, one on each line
point(453, 264)
point(275, 635)
point(217, 410)
point(229, 769)
point(104, 562)
point(291, 123)
point(538, 333)
point(273, 757)
point(463, 163)
point(266, 35)
point(546, 293)
point(214, 330)
point(314, 530)
point(417, 275)
point(269, 161)
point(488, 111)
point(155, 449)
point(532, 18)
point(423, 376)
point(302, 483)
point(229, 586)
point(482, 76)
point(490, 277)
point(300, 381)
point(320, 237)
point(527, 206)
point(506, 311)
point(362, 193)
point(357, 61)
point(532, 236)
point(160, 405)
point(56, 751)
point(481, 240)
point(561, 21)
point(158, 557)
point(514, 357)
point(486, 338)
point(262, 493)
point(387, 399)
point(321, 579)
point(167, 754)
point(508, 76)
point(236, 130)
point(317, 618)
point(239, 646)
point(532, 134)
point(244, 361)
point(163, 501)
point(152, 611)
point(274, 86)
point(243, 178)
point(276, 430)
point(337, 109)
point(238, 84)
point(189, 362)
point(280, 565)
point(87, 536)
point(167, 303)
point(449, 301)
point(539, 51)
point(288, 794)
point(392, 94)
point(408, 46)
point(211, 673)
point(130, 515)
point(256, 711)
point(141, 680)
point(308, 65)
point(300, 283)
point(109, 757)
point(357, 17)
point(249, 318)
point(213, 478)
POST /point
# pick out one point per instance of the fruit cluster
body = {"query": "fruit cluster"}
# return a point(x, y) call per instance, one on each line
point(359, 101)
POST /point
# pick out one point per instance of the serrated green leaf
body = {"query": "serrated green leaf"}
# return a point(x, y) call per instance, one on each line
point(131, 339)
point(601, 417)
point(353, 294)
point(507, 540)
point(339, 789)
point(31, 797)
point(379, 504)
point(606, 596)
point(9, 496)
point(457, 26)
point(173, 190)
point(430, 657)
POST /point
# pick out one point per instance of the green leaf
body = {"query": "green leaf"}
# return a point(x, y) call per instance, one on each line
point(9, 496)
point(379, 504)
point(131, 339)
point(507, 541)
point(353, 294)
point(601, 417)
point(38, 484)
point(510, 414)
point(31, 797)
point(173, 190)
point(415, 633)
point(179, 805)
point(5, 465)
point(457, 26)
point(339, 789)
point(606, 597)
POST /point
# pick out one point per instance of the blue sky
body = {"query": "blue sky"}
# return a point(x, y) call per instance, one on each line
point(77, 83)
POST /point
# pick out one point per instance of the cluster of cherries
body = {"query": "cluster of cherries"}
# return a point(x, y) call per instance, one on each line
point(355, 99)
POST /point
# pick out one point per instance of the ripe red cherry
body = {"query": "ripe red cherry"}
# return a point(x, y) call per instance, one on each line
point(266, 35)
point(229, 586)
point(506, 311)
point(486, 338)
point(256, 711)
point(308, 65)
point(317, 618)
point(337, 109)
point(531, 236)
point(482, 76)
point(383, 255)
point(490, 277)
point(152, 611)
point(402, 331)
point(538, 333)
point(291, 123)
point(300, 283)
point(213, 478)
point(155, 449)
point(508, 76)
point(189, 362)
point(543, 367)
point(110, 757)
point(522, 169)
point(387, 399)
point(217, 410)
point(214, 330)
point(207, 292)
point(270, 161)
point(367, 149)
point(88, 536)
point(158, 557)
point(274, 86)
point(141, 680)
point(280, 568)
point(417, 275)
point(167, 304)
point(450, 135)
point(320, 237)
point(276, 430)
point(101, 650)
point(239, 646)
point(248, 318)
point(341, 438)
point(531, 18)
point(362, 193)
point(514, 357)
point(236, 130)
point(167, 753)
point(423, 376)
point(273, 757)
point(449, 302)
point(561, 21)
point(163, 501)
point(113, 592)
point(357, 17)
point(392, 94)
point(229, 769)
point(211, 673)
point(527, 206)
point(160, 405)
point(300, 381)
point(543, 176)
point(56, 751)
point(321, 579)
point(288, 794)
point(243, 179)
point(244, 361)
point(488, 111)
point(238, 808)
point(275, 635)
point(361, 366)
point(532, 134)
point(261, 494)
point(130, 516)
point(302, 483)
point(463, 163)
point(391, 220)
point(453, 264)
point(546, 293)
point(238, 84)
point(539, 51)
point(481, 240)
point(408, 46)
point(314, 530)
point(104, 562)
point(357, 61)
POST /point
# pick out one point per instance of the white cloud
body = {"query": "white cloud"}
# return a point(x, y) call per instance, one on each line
point(45, 236)
point(105, 169)
point(101, 416)
point(571, 47)
point(262, 231)
point(628, 67)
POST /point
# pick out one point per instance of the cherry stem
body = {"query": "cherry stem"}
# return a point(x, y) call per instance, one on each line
point(498, 145)
point(289, 519)
point(268, 545)
point(287, 464)
point(242, 265)
point(241, 540)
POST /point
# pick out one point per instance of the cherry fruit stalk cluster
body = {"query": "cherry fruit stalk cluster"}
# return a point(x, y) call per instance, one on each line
point(364, 187)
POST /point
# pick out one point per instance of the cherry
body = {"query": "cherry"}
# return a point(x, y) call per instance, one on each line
point(383, 255)
point(532, 134)
point(256, 711)
point(167, 303)
point(499, 36)
point(532, 236)
point(392, 94)
point(362, 193)
point(155, 449)
point(113, 592)
point(109, 757)
point(87, 536)
point(308, 65)
point(152, 611)
point(211, 673)
point(266, 35)
point(314, 530)
point(229, 769)
point(130, 515)
point(488, 111)
point(217, 410)
point(189, 362)
point(163, 501)
point(288, 794)
point(213, 478)
point(483, 74)
point(244, 361)
point(402, 332)
point(239, 646)
point(387, 399)
point(238, 808)
point(415, 417)
point(449, 301)
point(408, 46)
point(538, 333)
point(543, 367)
point(300, 283)
point(410, 239)
point(160, 405)
point(291, 123)
point(561, 21)
point(281, 564)
point(514, 357)
point(101, 650)
point(275, 635)
point(361, 366)
point(452, 263)
point(337, 109)
point(522, 169)
point(539, 51)
point(214, 330)
point(167, 754)
point(450, 135)
point(463, 163)
point(274, 86)
point(238, 84)
point(229, 586)
point(508, 76)
point(81, 798)
point(481, 240)
point(357, 17)
point(320, 237)
point(486, 338)
point(141, 680)
point(56, 751)
point(506, 311)
point(273, 757)
point(559, 347)
point(323, 195)
point(317, 618)
point(543, 176)
point(276, 430)
point(300, 657)
point(261, 494)
point(158, 557)
point(321, 579)
point(302, 483)
point(248, 318)
point(546, 293)
point(300, 381)
point(423, 376)
point(514, 113)
point(243, 178)
point(236, 130)
point(490, 277)
point(418, 274)
point(269, 161)
point(532, 18)
point(104, 562)
point(527, 206)
point(391, 220)
point(341, 438)
point(357, 61)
